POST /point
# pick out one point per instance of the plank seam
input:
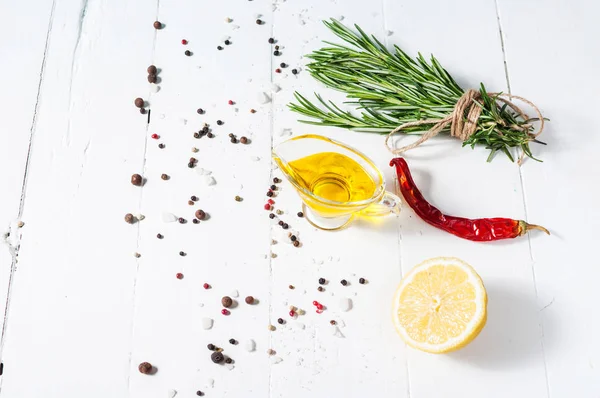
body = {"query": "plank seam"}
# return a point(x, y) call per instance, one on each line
point(524, 196)
point(140, 202)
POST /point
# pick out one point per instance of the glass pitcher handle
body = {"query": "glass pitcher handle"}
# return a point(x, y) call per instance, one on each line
point(390, 203)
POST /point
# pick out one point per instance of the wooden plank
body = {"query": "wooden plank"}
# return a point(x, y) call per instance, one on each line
point(73, 293)
point(506, 359)
point(370, 357)
point(23, 54)
point(553, 61)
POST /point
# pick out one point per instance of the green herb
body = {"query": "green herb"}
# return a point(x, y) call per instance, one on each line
point(390, 88)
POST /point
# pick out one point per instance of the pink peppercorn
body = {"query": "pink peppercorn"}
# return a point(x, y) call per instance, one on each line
point(315, 303)
point(277, 70)
point(179, 275)
point(184, 42)
point(225, 311)
point(154, 136)
point(292, 314)
point(206, 286)
point(230, 102)
point(271, 201)
point(267, 206)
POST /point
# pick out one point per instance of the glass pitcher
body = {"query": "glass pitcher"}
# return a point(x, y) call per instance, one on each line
point(325, 213)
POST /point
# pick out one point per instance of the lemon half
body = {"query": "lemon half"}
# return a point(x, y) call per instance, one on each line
point(440, 306)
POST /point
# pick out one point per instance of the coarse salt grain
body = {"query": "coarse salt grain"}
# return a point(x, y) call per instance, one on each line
point(171, 393)
point(229, 366)
point(207, 323)
point(154, 88)
point(210, 383)
point(275, 88)
point(209, 180)
point(250, 345)
point(299, 325)
point(263, 98)
point(345, 304)
point(234, 293)
point(285, 132)
point(276, 360)
point(335, 331)
point(169, 217)
point(203, 172)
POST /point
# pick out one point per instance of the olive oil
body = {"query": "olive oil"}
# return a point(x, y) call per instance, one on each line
point(333, 176)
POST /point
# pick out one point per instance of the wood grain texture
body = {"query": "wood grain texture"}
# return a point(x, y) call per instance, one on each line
point(84, 312)
point(23, 44)
point(562, 192)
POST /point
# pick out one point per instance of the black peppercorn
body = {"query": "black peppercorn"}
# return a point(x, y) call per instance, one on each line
point(181, 220)
point(159, 236)
point(320, 288)
point(362, 281)
point(210, 135)
point(164, 177)
point(249, 300)
point(195, 221)
point(219, 122)
point(200, 111)
point(259, 22)
point(161, 146)
point(270, 194)
point(244, 140)
point(191, 165)
point(200, 214)
point(294, 71)
point(276, 47)
point(296, 243)
point(152, 70)
point(157, 25)
point(300, 214)
point(129, 218)
point(233, 140)
point(143, 111)
point(280, 223)
point(344, 282)
point(232, 341)
point(273, 187)
point(199, 393)
point(321, 281)
point(217, 357)
point(145, 368)
point(276, 180)
point(227, 42)
point(194, 198)
point(219, 48)
point(276, 52)
point(293, 238)
point(196, 135)
point(188, 53)
point(285, 226)
point(152, 78)
point(271, 216)
point(139, 102)
point(271, 40)
point(228, 360)
point(182, 254)
point(211, 347)
point(283, 65)
point(137, 180)
point(280, 321)
point(226, 302)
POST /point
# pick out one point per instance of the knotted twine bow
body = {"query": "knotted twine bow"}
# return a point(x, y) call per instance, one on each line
point(463, 120)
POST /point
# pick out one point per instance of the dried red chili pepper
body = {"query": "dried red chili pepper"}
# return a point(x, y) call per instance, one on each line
point(480, 230)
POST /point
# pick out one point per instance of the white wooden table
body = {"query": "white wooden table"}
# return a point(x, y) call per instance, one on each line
point(82, 312)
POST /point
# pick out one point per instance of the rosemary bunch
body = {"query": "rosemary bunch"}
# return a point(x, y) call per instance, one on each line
point(390, 88)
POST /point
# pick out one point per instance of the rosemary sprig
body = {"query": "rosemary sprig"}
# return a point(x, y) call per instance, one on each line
point(390, 88)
